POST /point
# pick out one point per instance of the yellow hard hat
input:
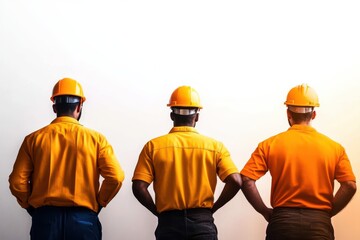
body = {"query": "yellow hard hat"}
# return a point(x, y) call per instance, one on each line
point(302, 96)
point(68, 86)
point(185, 96)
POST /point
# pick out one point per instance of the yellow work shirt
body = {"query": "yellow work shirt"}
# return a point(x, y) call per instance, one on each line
point(303, 164)
point(60, 165)
point(183, 166)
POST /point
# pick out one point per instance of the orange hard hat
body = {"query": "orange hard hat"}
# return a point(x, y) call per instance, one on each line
point(185, 96)
point(302, 96)
point(69, 87)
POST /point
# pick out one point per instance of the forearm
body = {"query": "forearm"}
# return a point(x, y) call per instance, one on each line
point(21, 191)
point(232, 186)
point(108, 191)
point(253, 196)
point(343, 196)
point(147, 201)
point(20, 178)
point(143, 196)
point(22, 198)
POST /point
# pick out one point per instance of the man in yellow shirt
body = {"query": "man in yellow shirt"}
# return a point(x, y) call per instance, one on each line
point(303, 164)
point(56, 173)
point(183, 166)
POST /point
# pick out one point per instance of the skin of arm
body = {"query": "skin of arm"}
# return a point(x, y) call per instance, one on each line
point(233, 184)
point(253, 196)
point(343, 196)
point(142, 194)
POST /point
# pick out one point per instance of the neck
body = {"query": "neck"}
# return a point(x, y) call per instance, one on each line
point(183, 125)
point(300, 123)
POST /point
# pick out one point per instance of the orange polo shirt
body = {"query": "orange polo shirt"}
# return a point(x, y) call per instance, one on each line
point(183, 166)
point(303, 164)
point(60, 165)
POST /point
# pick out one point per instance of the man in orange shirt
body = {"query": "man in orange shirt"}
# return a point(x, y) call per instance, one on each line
point(183, 166)
point(303, 164)
point(56, 173)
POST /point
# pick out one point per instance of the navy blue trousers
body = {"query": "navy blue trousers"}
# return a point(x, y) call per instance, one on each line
point(65, 223)
point(299, 224)
point(189, 224)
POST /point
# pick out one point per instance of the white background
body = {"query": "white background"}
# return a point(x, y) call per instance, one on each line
point(241, 56)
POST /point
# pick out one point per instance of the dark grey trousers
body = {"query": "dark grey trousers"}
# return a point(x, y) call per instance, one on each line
point(189, 224)
point(299, 224)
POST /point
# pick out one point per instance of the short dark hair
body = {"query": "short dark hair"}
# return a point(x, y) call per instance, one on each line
point(65, 108)
point(301, 117)
point(184, 119)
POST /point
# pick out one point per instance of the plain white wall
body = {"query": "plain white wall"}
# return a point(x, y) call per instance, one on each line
point(241, 56)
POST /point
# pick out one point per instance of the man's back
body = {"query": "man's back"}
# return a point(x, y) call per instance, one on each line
point(65, 157)
point(56, 173)
point(188, 162)
point(183, 167)
point(303, 164)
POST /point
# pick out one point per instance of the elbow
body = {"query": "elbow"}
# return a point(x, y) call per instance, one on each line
point(139, 187)
point(247, 182)
point(117, 179)
point(239, 181)
point(135, 189)
point(349, 187)
point(352, 186)
point(235, 180)
point(120, 176)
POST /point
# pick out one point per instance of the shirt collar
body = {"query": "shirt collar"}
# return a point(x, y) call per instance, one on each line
point(183, 129)
point(65, 119)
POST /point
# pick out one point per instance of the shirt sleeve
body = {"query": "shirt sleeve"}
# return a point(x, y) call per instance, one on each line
point(256, 166)
point(112, 173)
point(225, 166)
point(19, 179)
point(144, 169)
point(343, 170)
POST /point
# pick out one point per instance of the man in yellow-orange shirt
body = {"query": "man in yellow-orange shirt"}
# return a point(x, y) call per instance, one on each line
point(56, 173)
point(303, 164)
point(183, 166)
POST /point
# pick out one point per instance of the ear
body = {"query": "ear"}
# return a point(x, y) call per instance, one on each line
point(78, 108)
point(172, 116)
point(197, 117)
point(288, 114)
point(313, 115)
point(54, 108)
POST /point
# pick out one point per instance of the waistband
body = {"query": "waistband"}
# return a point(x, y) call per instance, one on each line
point(189, 211)
point(298, 209)
point(63, 208)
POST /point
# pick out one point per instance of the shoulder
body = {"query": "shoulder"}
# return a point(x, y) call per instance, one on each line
point(39, 131)
point(92, 132)
point(275, 137)
point(329, 141)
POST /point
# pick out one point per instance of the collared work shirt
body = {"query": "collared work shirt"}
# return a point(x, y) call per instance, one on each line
point(303, 164)
point(60, 165)
point(183, 166)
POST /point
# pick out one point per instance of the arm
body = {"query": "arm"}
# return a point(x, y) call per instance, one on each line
point(343, 196)
point(232, 186)
point(140, 191)
point(252, 195)
point(112, 173)
point(20, 177)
